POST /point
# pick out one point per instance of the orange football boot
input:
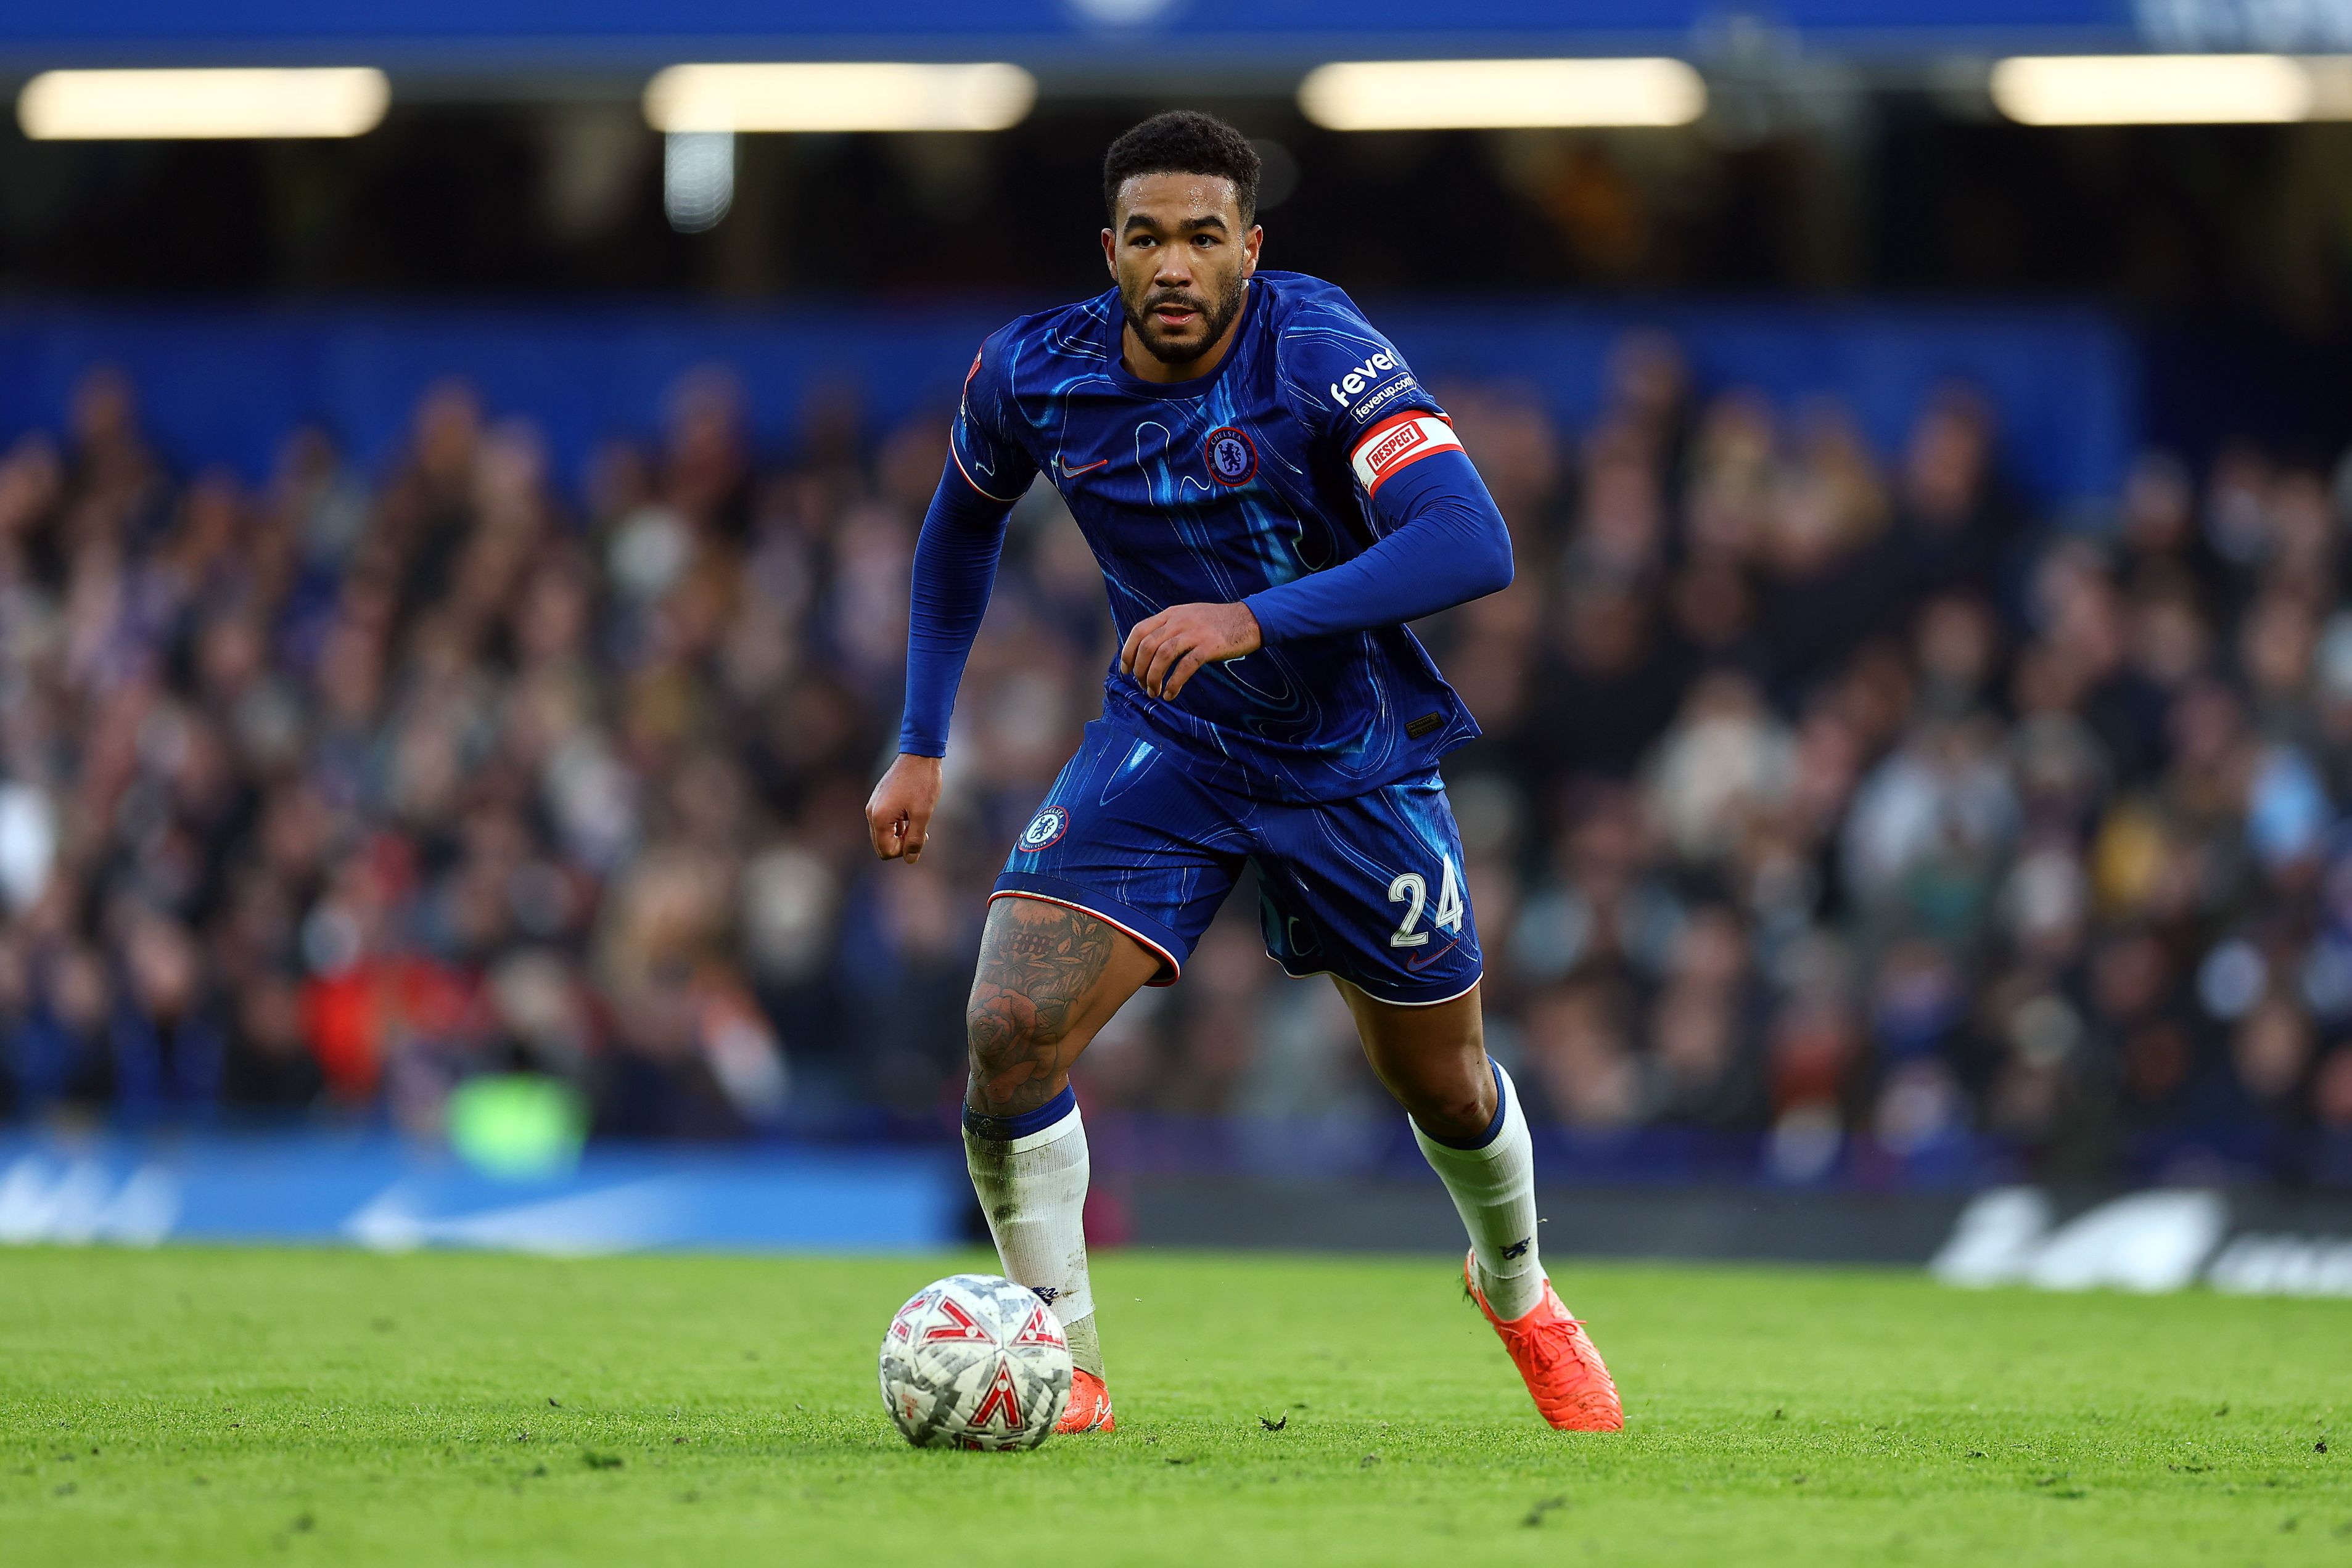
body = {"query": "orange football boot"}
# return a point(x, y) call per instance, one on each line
point(1556, 1356)
point(1089, 1406)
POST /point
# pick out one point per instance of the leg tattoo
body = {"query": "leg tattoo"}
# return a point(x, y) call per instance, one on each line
point(1038, 962)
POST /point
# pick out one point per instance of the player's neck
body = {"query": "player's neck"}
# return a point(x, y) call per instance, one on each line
point(1145, 366)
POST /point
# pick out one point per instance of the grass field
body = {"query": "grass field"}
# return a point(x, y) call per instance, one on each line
point(197, 1406)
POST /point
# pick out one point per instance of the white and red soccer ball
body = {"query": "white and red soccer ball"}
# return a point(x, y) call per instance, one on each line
point(975, 1362)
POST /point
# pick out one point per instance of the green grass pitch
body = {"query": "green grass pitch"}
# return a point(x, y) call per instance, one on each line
point(195, 1405)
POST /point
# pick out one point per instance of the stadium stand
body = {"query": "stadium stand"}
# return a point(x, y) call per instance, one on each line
point(1840, 805)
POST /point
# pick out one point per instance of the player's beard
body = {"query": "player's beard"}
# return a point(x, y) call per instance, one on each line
point(1215, 318)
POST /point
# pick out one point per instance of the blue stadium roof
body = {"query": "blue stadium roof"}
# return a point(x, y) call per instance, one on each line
point(554, 35)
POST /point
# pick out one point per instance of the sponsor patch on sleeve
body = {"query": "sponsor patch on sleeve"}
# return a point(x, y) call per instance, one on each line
point(1399, 442)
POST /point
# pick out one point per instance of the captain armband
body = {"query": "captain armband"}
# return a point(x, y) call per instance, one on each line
point(1397, 444)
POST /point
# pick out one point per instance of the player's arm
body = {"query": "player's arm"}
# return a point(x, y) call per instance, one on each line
point(1446, 545)
point(955, 567)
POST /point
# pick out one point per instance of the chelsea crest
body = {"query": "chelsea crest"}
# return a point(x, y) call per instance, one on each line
point(1233, 457)
point(1045, 827)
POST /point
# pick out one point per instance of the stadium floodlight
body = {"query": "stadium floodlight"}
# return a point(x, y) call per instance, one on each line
point(172, 105)
point(813, 96)
point(698, 178)
point(1466, 94)
point(2156, 90)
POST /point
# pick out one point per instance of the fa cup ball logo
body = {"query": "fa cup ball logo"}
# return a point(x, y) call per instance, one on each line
point(1231, 457)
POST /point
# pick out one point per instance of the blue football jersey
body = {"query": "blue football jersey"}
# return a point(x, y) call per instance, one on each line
point(1212, 489)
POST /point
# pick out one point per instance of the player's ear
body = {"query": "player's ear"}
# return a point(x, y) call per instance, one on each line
point(1111, 252)
point(1250, 248)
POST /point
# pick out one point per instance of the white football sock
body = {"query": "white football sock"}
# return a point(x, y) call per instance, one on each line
point(1494, 1188)
point(1030, 1173)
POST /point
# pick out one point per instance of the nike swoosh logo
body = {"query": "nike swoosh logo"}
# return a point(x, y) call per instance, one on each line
point(1067, 471)
point(1420, 961)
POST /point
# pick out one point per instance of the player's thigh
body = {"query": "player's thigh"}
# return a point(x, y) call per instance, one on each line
point(1128, 835)
point(1369, 889)
point(1049, 978)
point(1107, 889)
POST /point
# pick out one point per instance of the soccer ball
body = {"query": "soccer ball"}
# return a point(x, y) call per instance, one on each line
point(975, 1362)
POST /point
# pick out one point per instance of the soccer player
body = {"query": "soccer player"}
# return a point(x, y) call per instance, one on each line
point(1271, 496)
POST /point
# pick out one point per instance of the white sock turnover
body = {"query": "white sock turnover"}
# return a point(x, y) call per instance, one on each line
point(1030, 1174)
point(1494, 1188)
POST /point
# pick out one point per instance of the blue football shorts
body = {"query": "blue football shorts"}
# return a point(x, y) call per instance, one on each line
point(1368, 888)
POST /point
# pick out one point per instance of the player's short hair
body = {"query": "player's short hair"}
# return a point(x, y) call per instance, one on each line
point(1183, 141)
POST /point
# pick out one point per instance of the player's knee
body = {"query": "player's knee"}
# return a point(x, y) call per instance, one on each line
point(1002, 1028)
point(1446, 1112)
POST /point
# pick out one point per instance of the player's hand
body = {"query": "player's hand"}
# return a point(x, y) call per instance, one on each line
point(1162, 652)
point(898, 812)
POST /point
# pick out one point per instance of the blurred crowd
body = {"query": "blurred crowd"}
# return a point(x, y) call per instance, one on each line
point(1830, 798)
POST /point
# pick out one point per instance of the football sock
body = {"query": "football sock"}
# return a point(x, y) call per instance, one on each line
point(1492, 1178)
point(1030, 1174)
